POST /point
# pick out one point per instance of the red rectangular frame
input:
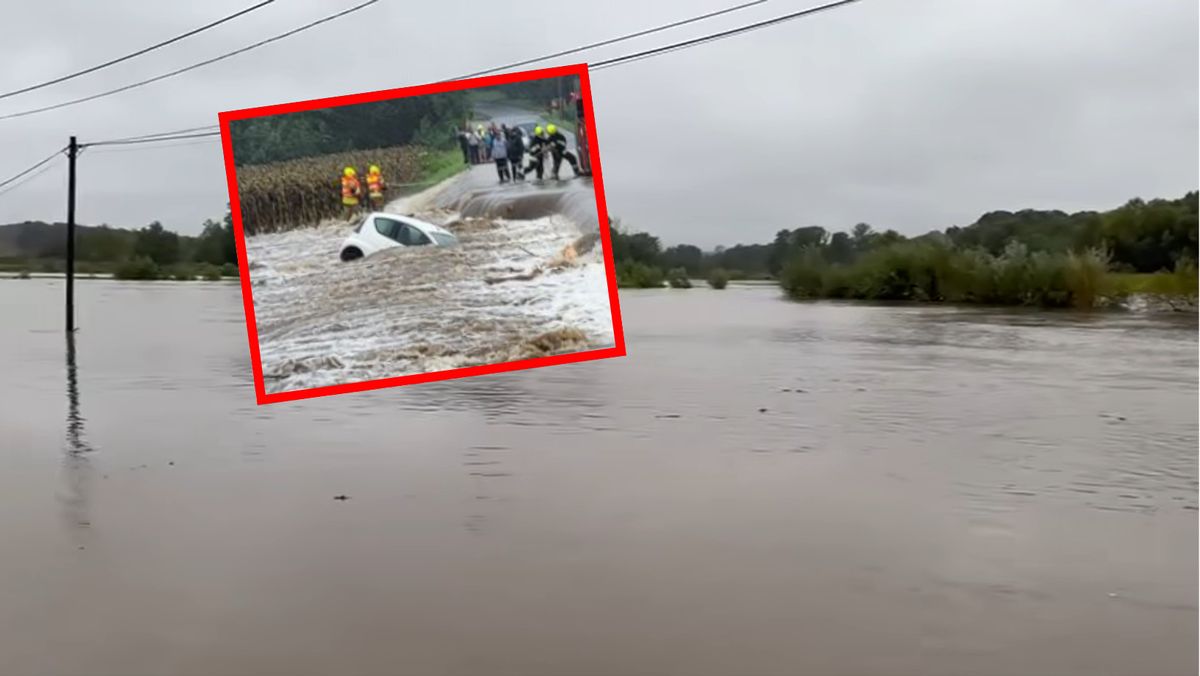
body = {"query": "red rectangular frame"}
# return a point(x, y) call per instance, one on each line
point(261, 395)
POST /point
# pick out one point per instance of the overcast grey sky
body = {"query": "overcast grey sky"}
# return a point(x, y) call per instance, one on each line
point(906, 114)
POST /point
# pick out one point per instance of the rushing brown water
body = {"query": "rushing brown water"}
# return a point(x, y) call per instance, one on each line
point(758, 488)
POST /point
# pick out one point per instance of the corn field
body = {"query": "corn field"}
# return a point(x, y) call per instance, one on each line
point(301, 192)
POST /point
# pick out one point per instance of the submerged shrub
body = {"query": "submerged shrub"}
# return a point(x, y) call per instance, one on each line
point(933, 271)
point(1085, 278)
point(718, 278)
point(639, 276)
point(678, 279)
point(208, 272)
point(802, 276)
point(137, 268)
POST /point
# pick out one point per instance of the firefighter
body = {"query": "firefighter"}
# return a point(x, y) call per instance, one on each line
point(351, 191)
point(558, 147)
point(538, 145)
point(375, 187)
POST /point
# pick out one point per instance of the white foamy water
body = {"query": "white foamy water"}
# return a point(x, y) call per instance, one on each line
point(324, 322)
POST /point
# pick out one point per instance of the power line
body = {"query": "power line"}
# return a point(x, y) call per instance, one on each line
point(32, 168)
point(122, 142)
point(203, 141)
point(26, 179)
point(151, 48)
point(161, 133)
point(599, 65)
point(615, 40)
point(628, 58)
point(525, 62)
point(194, 66)
point(183, 134)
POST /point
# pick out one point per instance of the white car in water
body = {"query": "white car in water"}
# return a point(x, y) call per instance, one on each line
point(379, 231)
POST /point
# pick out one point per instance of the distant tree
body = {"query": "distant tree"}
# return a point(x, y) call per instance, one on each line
point(840, 248)
point(779, 251)
point(861, 234)
point(157, 244)
point(685, 256)
point(210, 245)
point(811, 236)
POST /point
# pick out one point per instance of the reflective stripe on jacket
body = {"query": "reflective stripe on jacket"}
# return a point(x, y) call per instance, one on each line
point(350, 190)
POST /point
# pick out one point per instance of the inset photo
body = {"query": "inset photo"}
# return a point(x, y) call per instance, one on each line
point(421, 234)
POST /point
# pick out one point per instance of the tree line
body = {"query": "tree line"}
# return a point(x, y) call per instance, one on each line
point(1155, 236)
point(152, 252)
point(539, 91)
point(427, 121)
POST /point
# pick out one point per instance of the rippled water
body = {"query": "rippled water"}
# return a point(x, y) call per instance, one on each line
point(760, 487)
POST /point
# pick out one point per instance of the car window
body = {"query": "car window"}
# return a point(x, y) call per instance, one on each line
point(444, 239)
point(410, 236)
point(389, 228)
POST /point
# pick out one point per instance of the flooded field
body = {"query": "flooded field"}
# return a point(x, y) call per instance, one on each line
point(414, 310)
point(760, 487)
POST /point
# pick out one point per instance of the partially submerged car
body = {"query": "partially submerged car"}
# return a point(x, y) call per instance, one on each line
point(379, 231)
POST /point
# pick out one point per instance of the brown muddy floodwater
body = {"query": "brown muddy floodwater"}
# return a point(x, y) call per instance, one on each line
point(758, 488)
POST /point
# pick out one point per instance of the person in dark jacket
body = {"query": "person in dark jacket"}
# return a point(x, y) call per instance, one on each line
point(558, 148)
point(466, 147)
point(538, 147)
point(516, 151)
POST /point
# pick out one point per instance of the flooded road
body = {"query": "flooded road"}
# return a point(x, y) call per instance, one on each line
point(322, 321)
point(760, 487)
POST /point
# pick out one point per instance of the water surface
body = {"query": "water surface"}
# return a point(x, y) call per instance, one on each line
point(760, 487)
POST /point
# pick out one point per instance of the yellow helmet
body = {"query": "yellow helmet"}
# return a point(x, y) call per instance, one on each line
point(349, 171)
point(537, 131)
point(374, 169)
point(550, 129)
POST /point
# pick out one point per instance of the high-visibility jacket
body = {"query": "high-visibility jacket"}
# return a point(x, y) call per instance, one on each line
point(350, 191)
point(375, 185)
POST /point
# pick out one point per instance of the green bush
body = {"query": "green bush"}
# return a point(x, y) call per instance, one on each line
point(180, 272)
point(138, 268)
point(938, 272)
point(208, 272)
point(803, 276)
point(718, 278)
point(229, 270)
point(678, 279)
point(639, 276)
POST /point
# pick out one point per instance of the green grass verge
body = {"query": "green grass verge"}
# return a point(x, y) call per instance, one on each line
point(440, 165)
point(566, 122)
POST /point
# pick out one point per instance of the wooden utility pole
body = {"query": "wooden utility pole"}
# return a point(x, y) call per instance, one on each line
point(72, 151)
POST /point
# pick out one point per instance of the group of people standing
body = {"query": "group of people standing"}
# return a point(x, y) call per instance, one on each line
point(506, 147)
point(352, 190)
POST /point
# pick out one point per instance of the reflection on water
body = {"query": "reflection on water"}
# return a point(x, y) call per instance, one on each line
point(761, 487)
point(77, 469)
